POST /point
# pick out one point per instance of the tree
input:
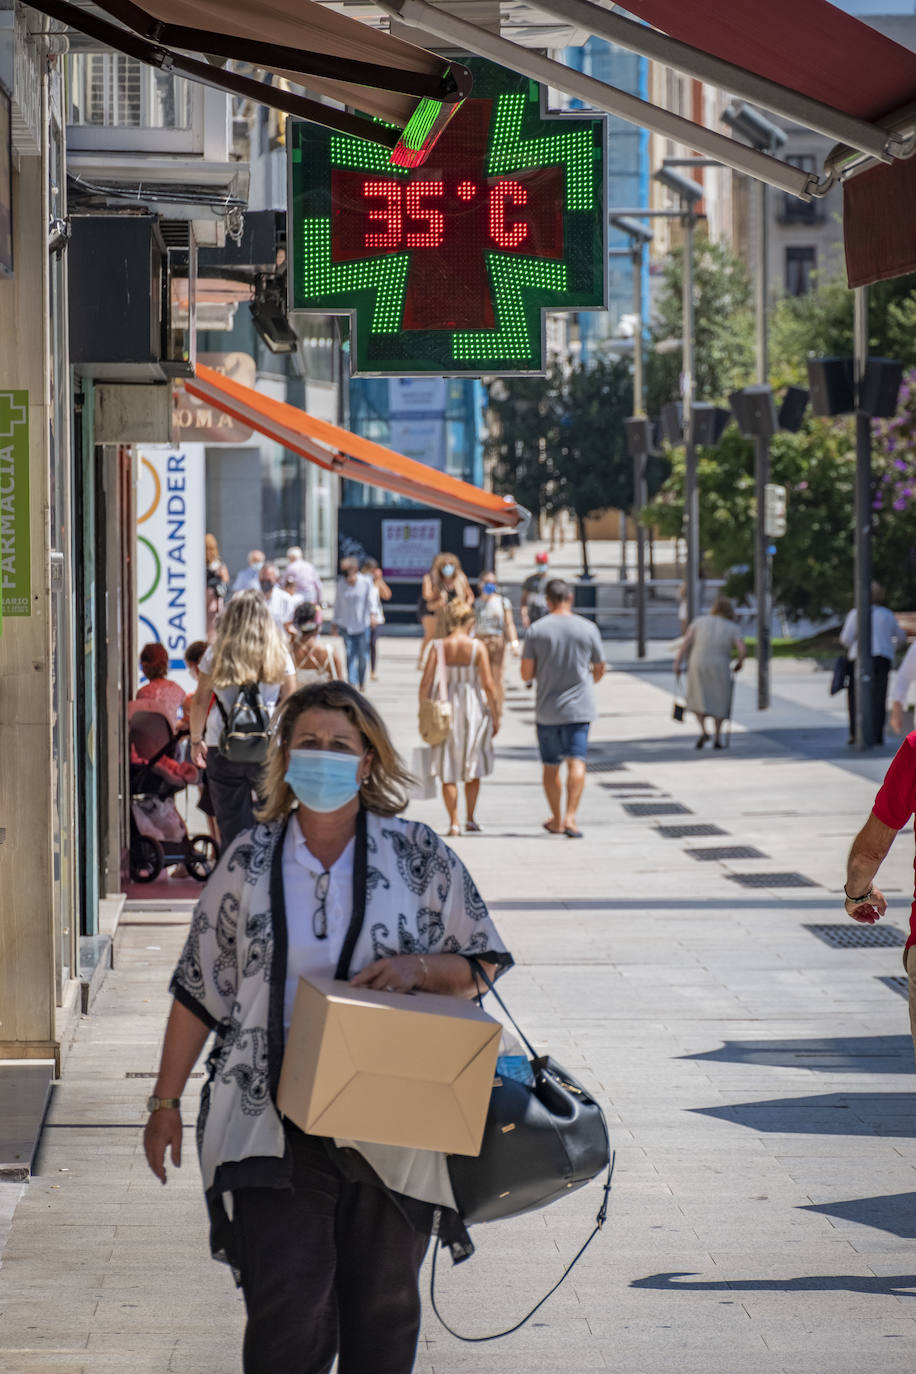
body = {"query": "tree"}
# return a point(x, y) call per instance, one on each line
point(558, 443)
point(723, 326)
point(820, 323)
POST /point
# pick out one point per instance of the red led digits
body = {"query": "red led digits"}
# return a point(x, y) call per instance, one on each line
point(466, 190)
point(390, 216)
point(503, 235)
point(434, 234)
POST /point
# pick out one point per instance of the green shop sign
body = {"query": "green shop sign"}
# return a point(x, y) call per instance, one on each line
point(15, 547)
point(449, 268)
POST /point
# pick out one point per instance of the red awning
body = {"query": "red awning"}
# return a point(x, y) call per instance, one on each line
point(818, 49)
point(349, 455)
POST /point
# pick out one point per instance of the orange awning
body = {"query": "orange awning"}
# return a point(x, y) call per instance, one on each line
point(349, 455)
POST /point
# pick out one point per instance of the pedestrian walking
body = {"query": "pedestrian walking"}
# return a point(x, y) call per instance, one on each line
point(886, 636)
point(893, 807)
point(168, 695)
point(904, 679)
point(494, 628)
point(444, 583)
point(534, 599)
point(193, 657)
point(381, 592)
point(707, 648)
point(563, 655)
point(327, 1241)
point(217, 583)
point(353, 618)
point(304, 575)
point(248, 652)
point(315, 662)
point(466, 756)
point(278, 603)
point(247, 579)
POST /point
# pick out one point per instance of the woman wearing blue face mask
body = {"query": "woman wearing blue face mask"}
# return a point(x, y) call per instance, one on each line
point(495, 628)
point(327, 1238)
point(443, 584)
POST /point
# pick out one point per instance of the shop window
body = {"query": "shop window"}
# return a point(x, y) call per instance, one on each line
point(108, 90)
point(801, 264)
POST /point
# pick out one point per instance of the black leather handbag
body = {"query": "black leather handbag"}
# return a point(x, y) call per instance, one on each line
point(542, 1141)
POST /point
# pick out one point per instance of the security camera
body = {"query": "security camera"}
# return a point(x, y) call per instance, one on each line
point(632, 227)
point(686, 188)
point(759, 131)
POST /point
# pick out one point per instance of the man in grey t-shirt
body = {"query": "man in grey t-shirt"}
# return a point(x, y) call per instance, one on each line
point(564, 656)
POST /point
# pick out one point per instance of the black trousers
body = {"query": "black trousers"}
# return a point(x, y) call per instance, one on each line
point(231, 786)
point(880, 670)
point(329, 1269)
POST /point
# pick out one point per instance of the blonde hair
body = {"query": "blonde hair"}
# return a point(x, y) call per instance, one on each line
point(457, 613)
point(384, 790)
point(439, 563)
point(723, 606)
point(248, 646)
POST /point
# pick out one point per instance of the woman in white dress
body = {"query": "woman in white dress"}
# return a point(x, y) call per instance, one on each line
point(315, 662)
point(467, 754)
point(708, 646)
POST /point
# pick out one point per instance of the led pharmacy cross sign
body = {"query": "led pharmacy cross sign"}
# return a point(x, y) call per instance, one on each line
point(448, 268)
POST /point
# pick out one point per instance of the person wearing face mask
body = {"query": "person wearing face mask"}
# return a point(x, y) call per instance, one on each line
point(444, 583)
point(353, 618)
point(279, 603)
point(327, 1236)
point(495, 628)
point(248, 578)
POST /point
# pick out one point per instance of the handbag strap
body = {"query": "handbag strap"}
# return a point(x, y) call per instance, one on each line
point(360, 885)
point(478, 971)
point(600, 1219)
point(441, 672)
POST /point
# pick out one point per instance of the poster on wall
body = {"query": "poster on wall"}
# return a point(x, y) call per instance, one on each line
point(422, 440)
point(170, 556)
point(15, 535)
point(409, 547)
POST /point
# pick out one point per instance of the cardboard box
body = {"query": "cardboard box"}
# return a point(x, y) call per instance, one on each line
point(390, 1068)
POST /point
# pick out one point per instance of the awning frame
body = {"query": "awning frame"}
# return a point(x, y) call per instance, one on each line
point(158, 45)
point(602, 96)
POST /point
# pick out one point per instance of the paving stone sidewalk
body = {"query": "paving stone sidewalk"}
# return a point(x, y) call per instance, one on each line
point(758, 1081)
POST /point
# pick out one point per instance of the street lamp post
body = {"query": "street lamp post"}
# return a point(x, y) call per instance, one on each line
point(864, 679)
point(639, 237)
point(765, 137)
point(688, 193)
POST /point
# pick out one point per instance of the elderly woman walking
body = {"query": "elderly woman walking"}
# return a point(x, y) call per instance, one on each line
point(328, 1240)
point(708, 646)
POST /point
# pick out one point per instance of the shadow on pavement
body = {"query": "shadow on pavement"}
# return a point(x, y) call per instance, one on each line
point(848, 1114)
point(696, 904)
point(896, 1284)
point(846, 1054)
point(895, 1213)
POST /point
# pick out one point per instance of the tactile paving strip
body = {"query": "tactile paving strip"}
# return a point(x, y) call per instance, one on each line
point(771, 880)
point(657, 809)
point(683, 832)
point(727, 851)
point(855, 935)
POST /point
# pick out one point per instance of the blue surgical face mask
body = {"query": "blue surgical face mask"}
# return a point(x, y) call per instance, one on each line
point(489, 586)
point(322, 780)
point(448, 569)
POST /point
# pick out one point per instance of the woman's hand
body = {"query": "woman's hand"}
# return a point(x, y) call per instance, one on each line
point(402, 973)
point(199, 754)
point(496, 724)
point(163, 1130)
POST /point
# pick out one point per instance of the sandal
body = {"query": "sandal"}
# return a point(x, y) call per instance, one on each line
point(453, 830)
point(472, 828)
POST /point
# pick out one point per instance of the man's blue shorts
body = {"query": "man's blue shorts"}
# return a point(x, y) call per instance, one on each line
point(559, 742)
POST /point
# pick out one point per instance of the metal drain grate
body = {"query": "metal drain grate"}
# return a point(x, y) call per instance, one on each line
point(855, 935)
point(604, 766)
point(626, 794)
point(629, 786)
point(771, 880)
point(897, 982)
point(682, 832)
point(661, 808)
point(727, 851)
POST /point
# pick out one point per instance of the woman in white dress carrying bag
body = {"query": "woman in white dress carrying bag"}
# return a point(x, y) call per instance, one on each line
point(466, 756)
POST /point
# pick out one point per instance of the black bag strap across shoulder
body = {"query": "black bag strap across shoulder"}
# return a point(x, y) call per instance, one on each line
point(360, 884)
point(480, 973)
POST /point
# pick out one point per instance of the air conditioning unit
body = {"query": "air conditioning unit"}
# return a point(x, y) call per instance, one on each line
point(132, 298)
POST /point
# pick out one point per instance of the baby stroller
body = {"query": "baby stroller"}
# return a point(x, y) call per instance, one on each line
point(158, 835)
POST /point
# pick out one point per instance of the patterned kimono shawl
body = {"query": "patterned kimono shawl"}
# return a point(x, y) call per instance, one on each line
point(420, 900)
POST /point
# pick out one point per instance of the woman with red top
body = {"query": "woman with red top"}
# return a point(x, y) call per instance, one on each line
point(169, 696)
